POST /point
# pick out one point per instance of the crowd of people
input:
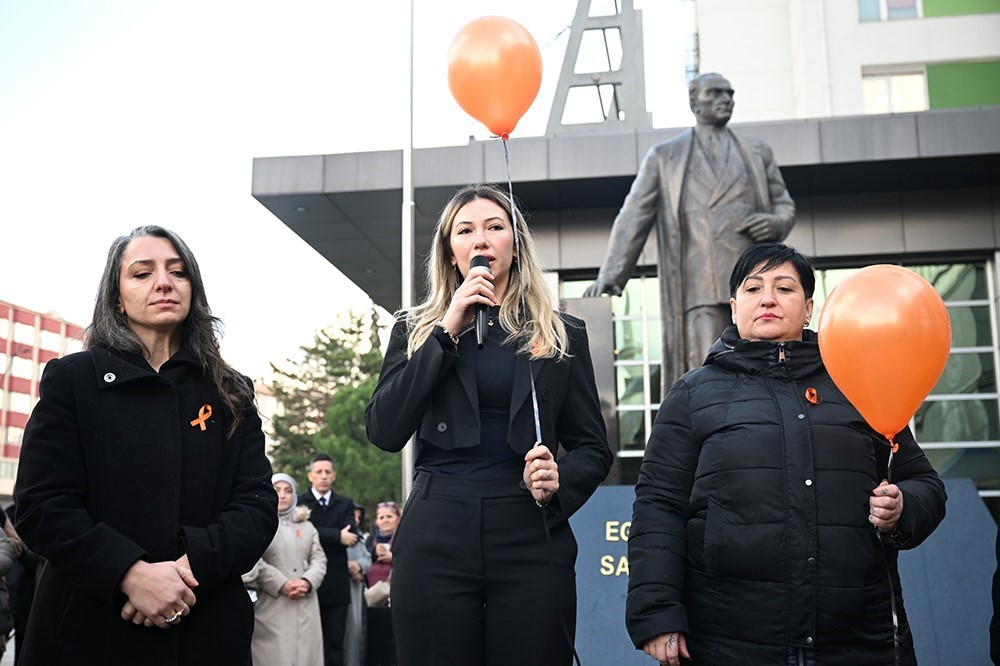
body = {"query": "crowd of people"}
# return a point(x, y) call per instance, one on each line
point(764, 530)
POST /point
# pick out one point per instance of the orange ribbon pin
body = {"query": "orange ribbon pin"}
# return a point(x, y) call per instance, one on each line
point(812, 396)
point(203, 415)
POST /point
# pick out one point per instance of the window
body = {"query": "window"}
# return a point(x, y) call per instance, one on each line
point(638, 348)
point(19, 402)
point(894, 93)
point(51, 341)
point(888, 10)
point(958, 426)
point(24, 334)
point(21, 367)
point(14, 435)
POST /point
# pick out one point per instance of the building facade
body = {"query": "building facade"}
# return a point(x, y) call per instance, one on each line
point(28, 340)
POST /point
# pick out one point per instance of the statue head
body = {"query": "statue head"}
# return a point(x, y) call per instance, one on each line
point(711, 97)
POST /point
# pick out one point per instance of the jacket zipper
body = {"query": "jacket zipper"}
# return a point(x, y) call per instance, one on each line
point(802, 657)
point(781, 352)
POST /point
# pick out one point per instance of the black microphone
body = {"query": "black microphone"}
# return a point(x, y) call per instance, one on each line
point(482, 317)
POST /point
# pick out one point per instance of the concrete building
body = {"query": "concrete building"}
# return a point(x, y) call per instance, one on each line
point(28, 340)
point(920, 188)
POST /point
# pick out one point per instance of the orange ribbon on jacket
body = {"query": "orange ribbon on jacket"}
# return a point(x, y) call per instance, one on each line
point(812, 396)
point(204, 414)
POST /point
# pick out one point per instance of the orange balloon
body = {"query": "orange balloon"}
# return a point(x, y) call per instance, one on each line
point(885, 335)
point(494, 72)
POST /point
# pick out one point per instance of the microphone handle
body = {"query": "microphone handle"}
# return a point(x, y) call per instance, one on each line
point(481, 324)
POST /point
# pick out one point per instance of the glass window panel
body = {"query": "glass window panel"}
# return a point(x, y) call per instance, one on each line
point(22, 367)
point(967, 373)
point(900, 9)
point(652, 292)
point(629, 385)
point(628, 340)
point(970, 326)
point(14, 434)
point(629, 304)
point(956, 282)
point(875, 95)
point(654, 333)
point(868, 10)
point(20, 402)
point(632, 430)
point(908, 92)
point(51, 341)
point(957, 421)
point(980, 465)
point(574, 288)
point(654, 386)
point(24, 333)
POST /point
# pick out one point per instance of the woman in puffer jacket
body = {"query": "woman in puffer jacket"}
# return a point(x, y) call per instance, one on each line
point(767, 520)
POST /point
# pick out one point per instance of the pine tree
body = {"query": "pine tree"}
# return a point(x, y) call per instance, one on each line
point(323, 397)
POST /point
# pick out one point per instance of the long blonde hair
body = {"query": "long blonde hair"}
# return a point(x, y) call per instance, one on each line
point(543, 335)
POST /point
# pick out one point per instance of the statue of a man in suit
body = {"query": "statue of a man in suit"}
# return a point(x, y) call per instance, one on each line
point(710, 193)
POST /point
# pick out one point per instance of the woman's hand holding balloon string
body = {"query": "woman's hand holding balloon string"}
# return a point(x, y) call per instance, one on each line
point(541, 473)
point(885, 507)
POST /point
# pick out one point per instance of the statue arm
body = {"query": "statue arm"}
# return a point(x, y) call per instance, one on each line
point(630, 230)
point(777, 222)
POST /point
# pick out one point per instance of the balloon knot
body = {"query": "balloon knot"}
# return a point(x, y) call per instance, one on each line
point(894, 445)
point(505, 136)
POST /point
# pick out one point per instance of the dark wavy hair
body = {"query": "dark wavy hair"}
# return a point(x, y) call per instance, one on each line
point(772, 255)
point(199, 331)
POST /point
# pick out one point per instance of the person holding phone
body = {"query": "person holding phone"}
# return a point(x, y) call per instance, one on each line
point(483, 556)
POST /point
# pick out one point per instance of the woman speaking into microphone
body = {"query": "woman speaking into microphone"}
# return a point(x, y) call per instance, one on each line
point(483, 558)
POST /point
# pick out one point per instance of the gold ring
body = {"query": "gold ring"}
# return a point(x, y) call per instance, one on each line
point(173, 618)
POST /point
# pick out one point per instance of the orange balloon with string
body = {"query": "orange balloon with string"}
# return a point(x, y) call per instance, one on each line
point(494, 72)
point(885, 336)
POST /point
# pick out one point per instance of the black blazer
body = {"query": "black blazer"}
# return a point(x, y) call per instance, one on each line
point(335, 589)
point(434, 393)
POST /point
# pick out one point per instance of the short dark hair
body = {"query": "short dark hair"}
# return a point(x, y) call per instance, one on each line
point(320, 457)
point(772, 255)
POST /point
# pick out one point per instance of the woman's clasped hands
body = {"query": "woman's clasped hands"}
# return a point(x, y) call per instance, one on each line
point(159, 594)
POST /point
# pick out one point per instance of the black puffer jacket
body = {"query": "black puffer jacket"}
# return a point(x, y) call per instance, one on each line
point(750, 527)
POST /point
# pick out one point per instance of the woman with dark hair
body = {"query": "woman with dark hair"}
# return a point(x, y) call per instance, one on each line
point(142, 478)
point(483, 556)
point(765, 530)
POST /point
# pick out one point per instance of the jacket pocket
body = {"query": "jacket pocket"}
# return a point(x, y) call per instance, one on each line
point(714, 537)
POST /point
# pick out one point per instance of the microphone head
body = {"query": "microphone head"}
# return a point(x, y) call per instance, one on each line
point(480, 260)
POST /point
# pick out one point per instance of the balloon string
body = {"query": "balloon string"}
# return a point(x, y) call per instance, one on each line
point(521, 285)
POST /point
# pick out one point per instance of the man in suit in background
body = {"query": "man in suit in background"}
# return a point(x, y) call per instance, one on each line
point(333, 516)
point(710, 193)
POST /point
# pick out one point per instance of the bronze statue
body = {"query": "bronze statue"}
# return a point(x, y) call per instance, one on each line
point(711, 193)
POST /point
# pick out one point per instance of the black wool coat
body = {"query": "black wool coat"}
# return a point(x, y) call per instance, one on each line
point(750, 527)
point(115, 467)
point(335, 589)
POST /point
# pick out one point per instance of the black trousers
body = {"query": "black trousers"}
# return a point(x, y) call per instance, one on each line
point(476, 582)
point(333, 619)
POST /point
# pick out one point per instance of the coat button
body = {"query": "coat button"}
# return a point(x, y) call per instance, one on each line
point(442, 426)
point(110, 377)
point(809, 640)
point(809, 482)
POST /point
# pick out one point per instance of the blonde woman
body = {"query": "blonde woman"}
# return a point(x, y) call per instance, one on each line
point(483, 557)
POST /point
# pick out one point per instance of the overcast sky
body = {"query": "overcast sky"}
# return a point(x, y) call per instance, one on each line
point(118, 113)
